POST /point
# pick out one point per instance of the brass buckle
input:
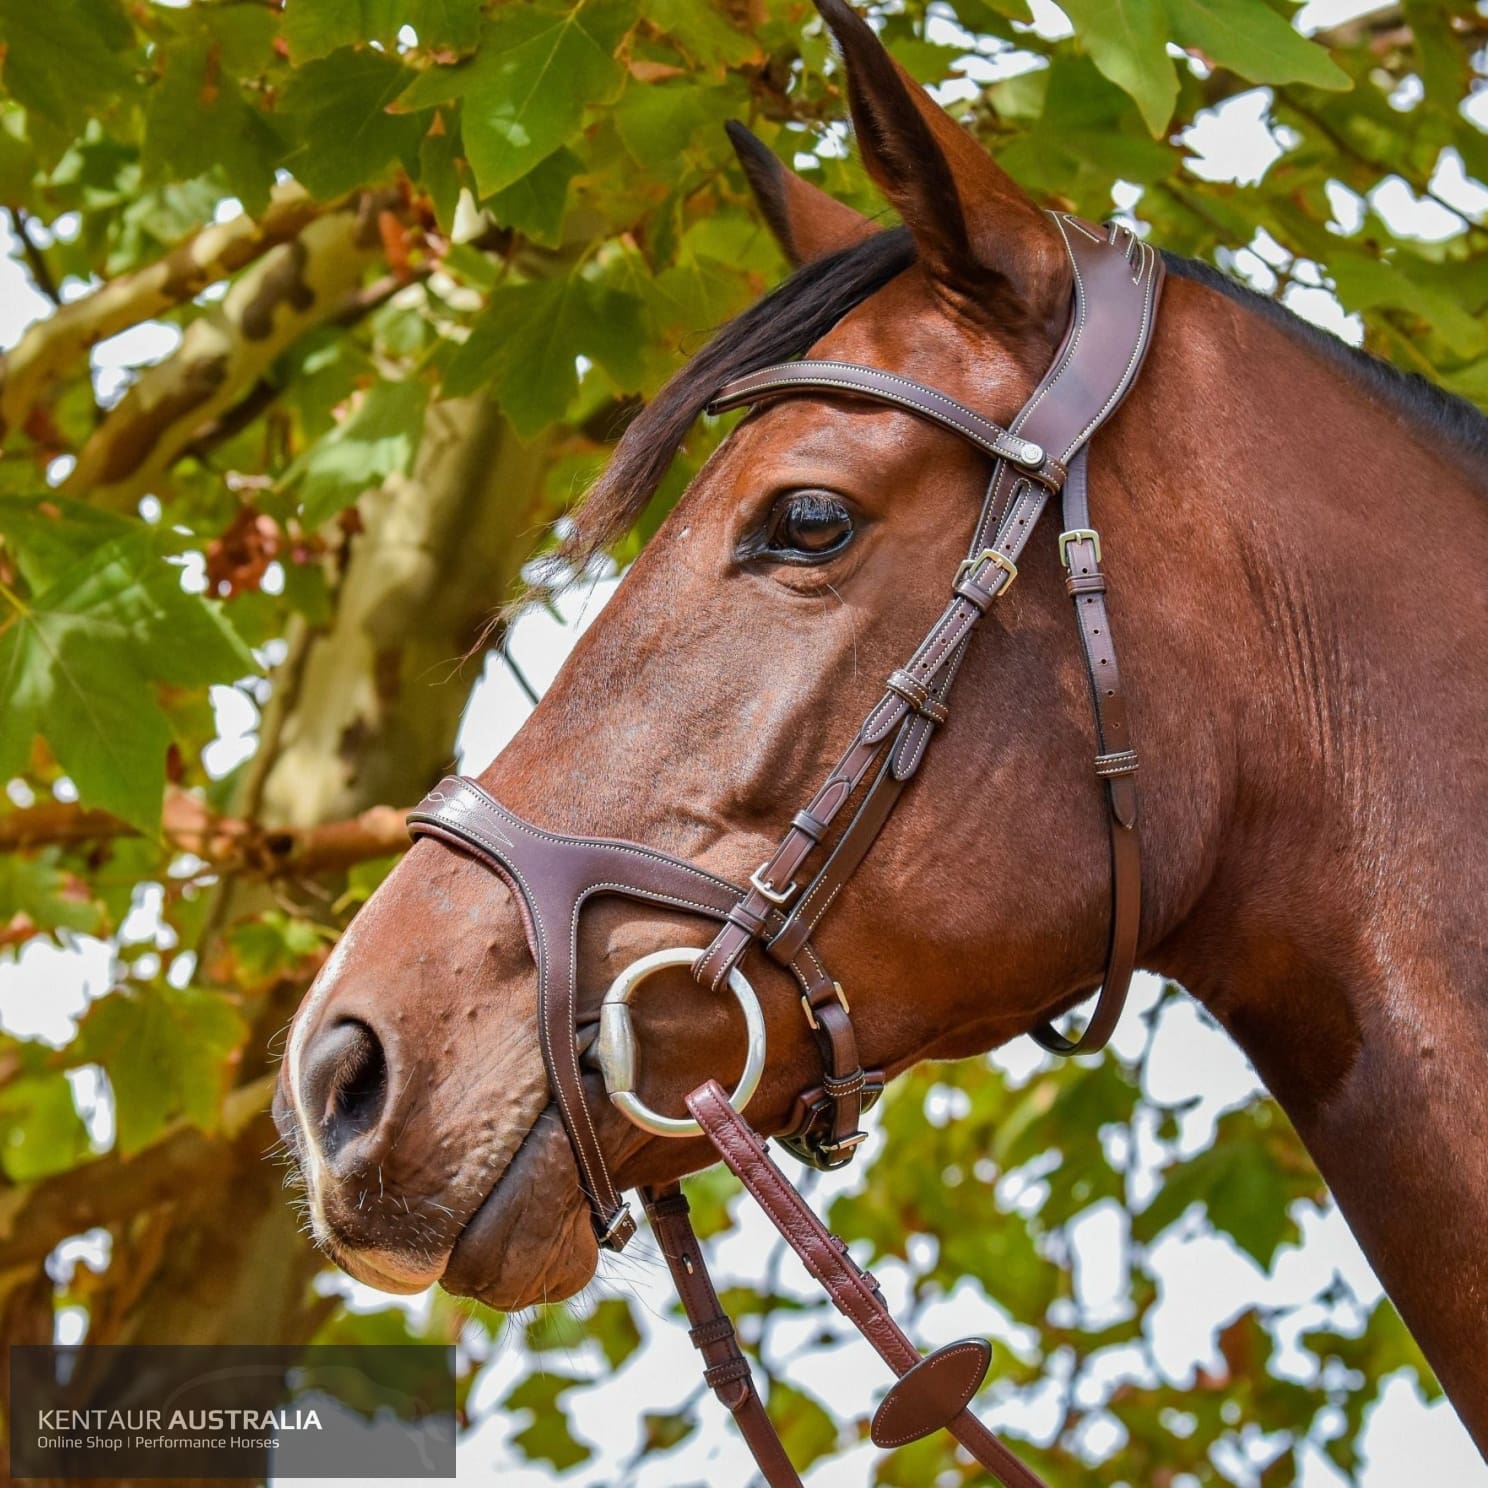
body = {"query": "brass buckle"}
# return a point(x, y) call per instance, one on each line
point(989, 555)
point(778, 897)
point(810, 1012)
point(1078, 534)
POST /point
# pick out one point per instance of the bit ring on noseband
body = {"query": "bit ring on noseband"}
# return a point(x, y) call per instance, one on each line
point(616, 1047)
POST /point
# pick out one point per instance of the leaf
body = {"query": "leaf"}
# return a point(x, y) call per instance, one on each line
point(41, 1132)
point(1365, 282)
point(274, 942)
point(166, 1052)
point(1249, 38)
point(1246, 1181)
point(806, 1430)
point(705, 33)
point(613, 1326)
point(535, 204)
point(316, 28)
point(548, 1438)
point(379, 439)
point(340, 105)
point(79, 663)
point(62, 56)
point(33, 886)
point(1127, 40)
point(525, 91)
point(197, 122)
point(48, 534)
point(525, 344)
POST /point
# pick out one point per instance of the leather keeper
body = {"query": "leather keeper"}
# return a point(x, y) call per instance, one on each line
point(726, 1373)
point(911, 689)
point(975, 594)
point(849, 1084)
point(1122, 762)
point(715, 1330)
point(803, 821)
point(1092, 583)
point(745, 918)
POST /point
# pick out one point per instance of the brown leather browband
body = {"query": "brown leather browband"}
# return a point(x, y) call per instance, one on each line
point(1117, 283)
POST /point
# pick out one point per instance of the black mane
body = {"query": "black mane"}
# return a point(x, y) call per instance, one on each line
point(796, 314)
point(791, 318)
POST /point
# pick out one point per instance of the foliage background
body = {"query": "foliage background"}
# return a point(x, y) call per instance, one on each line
point(416, 261)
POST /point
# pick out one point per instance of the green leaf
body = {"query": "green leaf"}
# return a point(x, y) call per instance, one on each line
point(442, 169)
point(525, 91)
point(41, 1132)
point(525, 344)
point(273, 942)
point(380, 439)
point(79, 663)
point(197, 122)
point(1249, 38)
point(166, 1052)
point(613, 1326)
point(535, 204)
point(316, 28)
point(548, 1438)
point(806, 1430)
point(34, 886)
point(704, 33)
point(340, 105)
point(1127, 40)
point(1246, 1181)
point(48, 534)
point(1365, 282)
point(62, 56)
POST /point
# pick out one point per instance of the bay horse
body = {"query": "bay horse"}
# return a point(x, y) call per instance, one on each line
point(1291, 532)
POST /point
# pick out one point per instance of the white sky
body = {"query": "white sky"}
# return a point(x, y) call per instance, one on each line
point(1203, 1280)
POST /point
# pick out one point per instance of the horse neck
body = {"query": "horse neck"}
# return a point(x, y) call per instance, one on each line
point(1316, 824)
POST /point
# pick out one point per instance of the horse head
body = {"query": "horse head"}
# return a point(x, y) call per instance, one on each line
point(735, 659)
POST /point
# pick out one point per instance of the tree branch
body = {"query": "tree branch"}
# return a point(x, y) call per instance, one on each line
point(226, 350)
point(227, 845)
point(36, 1217)
point(52, 346)
point(40, 270)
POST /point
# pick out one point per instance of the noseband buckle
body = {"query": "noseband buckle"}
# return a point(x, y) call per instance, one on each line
point(810, 1011)
point(778, 897)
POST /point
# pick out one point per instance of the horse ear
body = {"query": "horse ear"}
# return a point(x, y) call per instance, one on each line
point(807, 223)
point(984, 241)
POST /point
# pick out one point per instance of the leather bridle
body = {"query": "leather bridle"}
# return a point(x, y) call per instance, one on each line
point(1117, 283)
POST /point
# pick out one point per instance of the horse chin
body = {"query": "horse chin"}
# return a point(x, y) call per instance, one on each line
point(530, 1240)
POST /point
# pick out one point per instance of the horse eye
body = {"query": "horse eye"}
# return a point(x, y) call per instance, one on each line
point(809, 523)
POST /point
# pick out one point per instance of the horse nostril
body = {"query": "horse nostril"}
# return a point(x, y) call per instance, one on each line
point(345, 1085)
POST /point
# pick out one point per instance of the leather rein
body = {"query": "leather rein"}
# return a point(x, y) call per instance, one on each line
point(1043, 453)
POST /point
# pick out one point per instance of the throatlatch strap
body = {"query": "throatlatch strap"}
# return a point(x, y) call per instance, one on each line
point(1115, 765)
